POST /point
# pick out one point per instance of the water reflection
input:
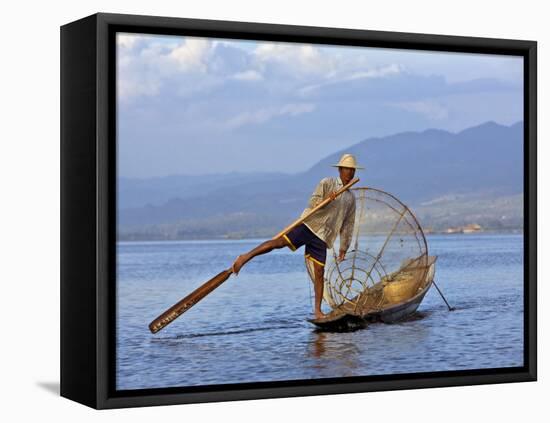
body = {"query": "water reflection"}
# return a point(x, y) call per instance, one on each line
point(318, 345)
point(333, 349)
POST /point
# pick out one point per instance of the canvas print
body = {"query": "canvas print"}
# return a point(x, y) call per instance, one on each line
point(291, 211)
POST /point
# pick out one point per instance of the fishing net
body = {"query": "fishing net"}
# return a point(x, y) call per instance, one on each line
point(387, 261)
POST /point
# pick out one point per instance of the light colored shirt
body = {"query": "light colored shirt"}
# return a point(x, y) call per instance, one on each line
point(335, 218)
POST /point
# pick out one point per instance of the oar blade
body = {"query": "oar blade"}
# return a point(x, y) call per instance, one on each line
point(189, 301)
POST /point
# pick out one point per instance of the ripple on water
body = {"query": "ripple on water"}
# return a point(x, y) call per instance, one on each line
point(253, 327)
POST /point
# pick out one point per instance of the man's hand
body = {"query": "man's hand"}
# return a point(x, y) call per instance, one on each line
point(341, 256)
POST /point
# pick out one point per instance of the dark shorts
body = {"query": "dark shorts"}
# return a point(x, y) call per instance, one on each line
point(316, 249)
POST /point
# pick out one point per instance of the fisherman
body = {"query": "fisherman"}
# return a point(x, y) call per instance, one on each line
point(319, 231)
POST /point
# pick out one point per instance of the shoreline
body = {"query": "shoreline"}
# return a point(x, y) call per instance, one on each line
point(246, 239)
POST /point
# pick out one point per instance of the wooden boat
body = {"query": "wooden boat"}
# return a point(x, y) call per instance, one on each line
point(336, 321)
point(393, 299)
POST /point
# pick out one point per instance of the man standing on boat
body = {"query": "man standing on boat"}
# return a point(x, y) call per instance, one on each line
point(319, 231)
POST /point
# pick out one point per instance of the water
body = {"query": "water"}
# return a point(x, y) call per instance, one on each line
point(253, 327)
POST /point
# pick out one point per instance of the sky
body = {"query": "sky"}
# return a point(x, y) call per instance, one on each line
point(192, 106)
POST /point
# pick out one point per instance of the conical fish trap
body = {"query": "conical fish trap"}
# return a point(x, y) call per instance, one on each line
point(387, 261)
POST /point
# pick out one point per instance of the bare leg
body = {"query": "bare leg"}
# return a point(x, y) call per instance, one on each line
point(264, 247)
point(318, 288)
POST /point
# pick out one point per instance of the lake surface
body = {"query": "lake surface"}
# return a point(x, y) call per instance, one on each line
point(253, 327)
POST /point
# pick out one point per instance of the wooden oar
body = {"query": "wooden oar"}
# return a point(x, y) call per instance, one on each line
point(202, 291)
point(442, 296)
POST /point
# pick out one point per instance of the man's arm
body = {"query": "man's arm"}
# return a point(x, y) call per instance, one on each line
point(346, 231)
point(317, 196)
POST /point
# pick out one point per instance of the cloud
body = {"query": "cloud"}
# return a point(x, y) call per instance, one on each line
point(167, 58)
point(260, 116)
point(133, 87)
point(296, 58)
point(147, 65)
point(127, 41)
point(248, 75)
point(379, 72)
point(374, 73)
point(192, 54)
point(186, 66)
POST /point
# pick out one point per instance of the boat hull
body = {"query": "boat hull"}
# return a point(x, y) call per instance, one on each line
point(398, 312)
point(344, 319)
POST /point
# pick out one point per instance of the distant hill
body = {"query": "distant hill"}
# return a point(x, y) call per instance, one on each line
point(417, 166)
point(470, 167)
point(134, 192)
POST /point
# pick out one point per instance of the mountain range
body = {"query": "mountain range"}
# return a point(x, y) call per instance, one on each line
point(473, 176)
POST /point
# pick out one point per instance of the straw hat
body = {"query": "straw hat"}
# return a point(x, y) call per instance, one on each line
point(348, 160)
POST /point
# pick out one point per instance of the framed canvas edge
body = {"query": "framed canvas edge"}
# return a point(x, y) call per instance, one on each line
point(105, 168)
point(320, 388)
point(530, 208)
point(78, 219)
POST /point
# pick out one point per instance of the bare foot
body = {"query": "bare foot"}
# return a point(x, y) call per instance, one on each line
point(320, 315)
point(239, 262)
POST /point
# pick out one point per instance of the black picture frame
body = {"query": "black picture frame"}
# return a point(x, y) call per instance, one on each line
point(88, 209)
